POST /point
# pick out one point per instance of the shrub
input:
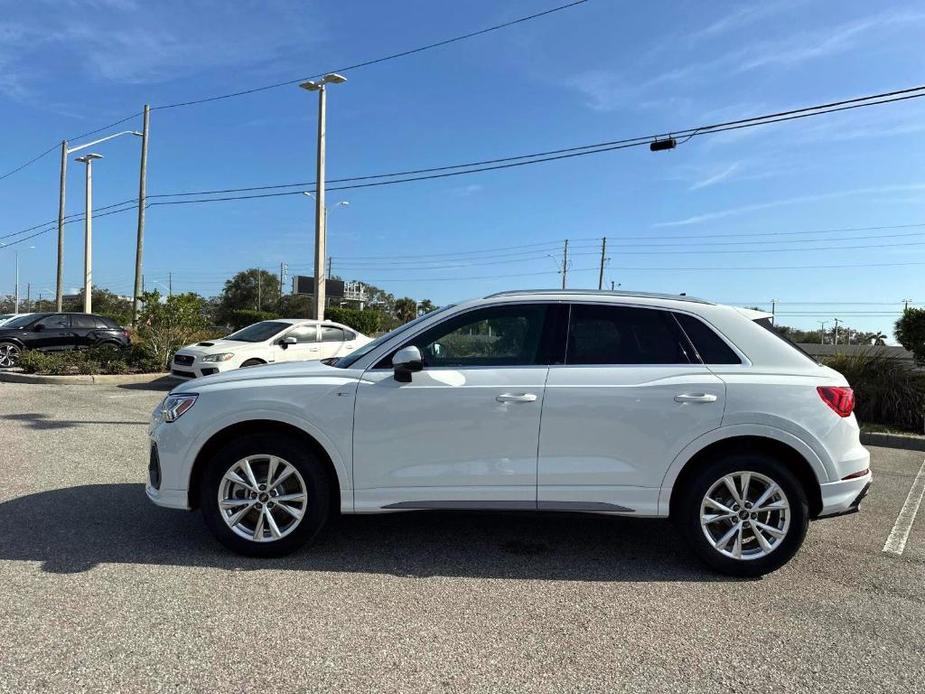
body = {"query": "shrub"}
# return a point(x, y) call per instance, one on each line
point(887, 391)
point(368, 321)
point(910, 332)
point(97, 360)
point(165, 326)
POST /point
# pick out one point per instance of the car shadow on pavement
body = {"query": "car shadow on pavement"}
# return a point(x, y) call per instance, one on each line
point(35, 420)
point(76, 528)
point(163, 384)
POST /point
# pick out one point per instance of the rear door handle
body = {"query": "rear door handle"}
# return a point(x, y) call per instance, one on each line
point(695, 397)
point(516, 397)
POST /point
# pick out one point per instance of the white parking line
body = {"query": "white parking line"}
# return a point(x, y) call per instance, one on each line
point(896, 542)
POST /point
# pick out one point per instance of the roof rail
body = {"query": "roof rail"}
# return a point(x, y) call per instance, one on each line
point(601, 292)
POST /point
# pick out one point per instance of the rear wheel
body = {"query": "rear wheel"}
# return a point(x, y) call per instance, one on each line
point(265, 496)
point(744, 514)
point(9, 355)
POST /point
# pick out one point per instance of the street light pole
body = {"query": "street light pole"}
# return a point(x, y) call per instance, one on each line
point(16, 301)
point(59, 291)
point(320, 231)
point(142, 195)
point(87, 159)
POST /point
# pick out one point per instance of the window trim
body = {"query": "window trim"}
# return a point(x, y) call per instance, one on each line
point(343, 332)
point(743, 358)
point(693, 358)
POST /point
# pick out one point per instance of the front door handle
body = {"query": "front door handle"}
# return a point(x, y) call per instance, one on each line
point(516, 397)
point(695, 397)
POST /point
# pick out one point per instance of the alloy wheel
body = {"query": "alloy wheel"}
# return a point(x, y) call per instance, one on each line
point(9, 355)
point(745, 515)
point(262, 498)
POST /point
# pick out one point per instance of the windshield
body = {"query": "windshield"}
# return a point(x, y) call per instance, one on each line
point(258, 332)
point(353, 357)
point(22, 320)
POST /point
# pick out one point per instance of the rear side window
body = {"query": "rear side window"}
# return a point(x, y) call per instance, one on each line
point(329, 333)
point(84, 322)
point(623, 335)
point(710, 346)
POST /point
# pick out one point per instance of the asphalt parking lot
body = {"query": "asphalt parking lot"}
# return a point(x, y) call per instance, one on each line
point(100, 590)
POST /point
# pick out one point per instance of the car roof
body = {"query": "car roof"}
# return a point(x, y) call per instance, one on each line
point(606, 295)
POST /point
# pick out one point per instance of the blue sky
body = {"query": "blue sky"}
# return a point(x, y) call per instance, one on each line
point(599, 71)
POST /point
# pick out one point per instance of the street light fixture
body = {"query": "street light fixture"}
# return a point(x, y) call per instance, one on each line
point(320, 231)
point(88, 230)
point(62, 184)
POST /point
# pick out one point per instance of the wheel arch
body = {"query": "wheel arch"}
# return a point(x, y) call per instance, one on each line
point(260, 426)
point(797, 462)
point(14, 341)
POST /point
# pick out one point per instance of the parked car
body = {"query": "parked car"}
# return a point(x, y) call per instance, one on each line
point(50, 332)
point(267, 342)
point(651, 406)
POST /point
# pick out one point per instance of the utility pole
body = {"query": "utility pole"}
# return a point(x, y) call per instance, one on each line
point(87, 159)
point(836, 330)
point(330, 265)
point(28, 296)
point(822, 331)
point(905, 305)
point(16, 301)
point(564, 263)
point(600, 277)
point(259, 274)
point(773, 307)
point(142, 198)
point(320, 230)
point(169, 284)
point(59, 292)
point(282, 267)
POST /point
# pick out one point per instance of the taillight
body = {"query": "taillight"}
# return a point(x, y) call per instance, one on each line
point(839, 398)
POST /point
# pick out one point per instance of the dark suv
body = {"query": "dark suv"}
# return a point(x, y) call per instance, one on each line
point(51, 332)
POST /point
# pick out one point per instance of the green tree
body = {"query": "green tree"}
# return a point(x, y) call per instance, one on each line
point(910, 332)
point(165, 325)
point(406, 309)
point(104, 303)
point(295, 306)
point(249, 290)
point(426, 306)
point(367, 321)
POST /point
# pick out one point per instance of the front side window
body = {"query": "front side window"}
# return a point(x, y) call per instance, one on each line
point(494, 336)
point(58, 321)
point(623, 335)
point(304, 333)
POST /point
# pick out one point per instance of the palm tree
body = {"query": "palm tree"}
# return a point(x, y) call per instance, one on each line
point(878, 339)
point(406, 309)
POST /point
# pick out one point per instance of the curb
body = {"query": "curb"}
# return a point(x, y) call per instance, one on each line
point(82, 379)
point(907, 442)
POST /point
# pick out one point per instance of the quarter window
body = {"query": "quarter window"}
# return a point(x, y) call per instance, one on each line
point(710, 346)
point(623, 335)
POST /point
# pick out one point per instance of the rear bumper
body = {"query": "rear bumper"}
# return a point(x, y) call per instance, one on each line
point(839, 498)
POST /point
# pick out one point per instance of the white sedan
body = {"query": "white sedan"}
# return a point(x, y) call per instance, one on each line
point(267, 342)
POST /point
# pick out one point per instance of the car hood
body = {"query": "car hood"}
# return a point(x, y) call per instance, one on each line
point(217, 346)
point(296, 369)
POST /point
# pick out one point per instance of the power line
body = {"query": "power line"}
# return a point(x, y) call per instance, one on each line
point(356, 66)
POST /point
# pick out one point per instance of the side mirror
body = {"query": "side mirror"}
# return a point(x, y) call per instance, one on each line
point(406, 361)
point(37, 328)
point(286, 341)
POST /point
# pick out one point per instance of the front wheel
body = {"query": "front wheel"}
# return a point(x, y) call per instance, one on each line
point(9, 355)
point(265, 496)
point(744, 514)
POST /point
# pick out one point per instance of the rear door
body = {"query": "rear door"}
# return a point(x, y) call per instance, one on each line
point(332, 341)
point(629, 396)
point(84, 327)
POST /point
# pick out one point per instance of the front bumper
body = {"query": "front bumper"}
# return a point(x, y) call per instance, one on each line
point(198, 368)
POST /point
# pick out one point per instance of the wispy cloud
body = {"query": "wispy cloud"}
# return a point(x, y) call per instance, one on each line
point(607, 90)
point(715, 178)
point(757, 207)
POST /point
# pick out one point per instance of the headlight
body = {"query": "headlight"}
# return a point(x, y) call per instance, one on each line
point(175, 405)
point(224, 356)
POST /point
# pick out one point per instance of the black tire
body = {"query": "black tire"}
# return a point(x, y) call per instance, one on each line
point(10, 353)
point(317, 486)
point(688, 514)
point(252, 362)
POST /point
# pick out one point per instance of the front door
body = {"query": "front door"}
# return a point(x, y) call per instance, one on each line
point(464, 432)
point(307, 344)
point(631, 394)
point(53, 333)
